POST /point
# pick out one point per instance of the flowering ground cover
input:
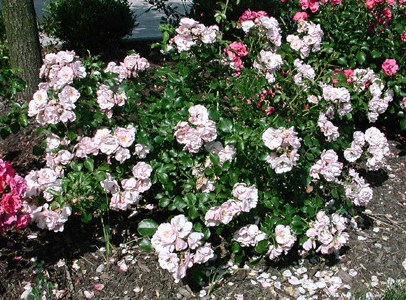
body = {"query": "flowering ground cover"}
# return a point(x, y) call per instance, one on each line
point(265, 151)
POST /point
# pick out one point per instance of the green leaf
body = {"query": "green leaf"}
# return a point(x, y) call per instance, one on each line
point(310, 156)
point(147, 227)
point(235, 247)
point(163, 178)
point(179, 203)
point(214, 158)
point(308, 141)
point(22, 120)
point(76, 166)
point(403, 124)
point(225, 125)
point(164, 202)
point(86, 217)
point(99, 175)
point(342, 61)
point(376, 54)
point(193, 213)
point(145, 244)
point(262, 246)
point(361, 57)
point(174, 78)
point(89, 164)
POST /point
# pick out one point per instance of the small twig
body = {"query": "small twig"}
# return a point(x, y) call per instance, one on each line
point(282, 293)
point(385, 219)
point(69, 279)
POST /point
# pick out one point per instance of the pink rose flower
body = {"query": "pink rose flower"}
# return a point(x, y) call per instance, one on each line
point(370, 4)
point(389, 66)
point(11, 203)
point(300, 15)
point(22, 221)
point(142, 170)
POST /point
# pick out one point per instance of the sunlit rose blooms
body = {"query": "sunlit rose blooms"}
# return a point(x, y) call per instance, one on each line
point(223, 213)
point(122, 154)
point(109, 184)
point(141, 150)
point(194, 240)
point(203, 254)
point(125, 136)
point(249, 235)
point(182, 226)
point(198, 114)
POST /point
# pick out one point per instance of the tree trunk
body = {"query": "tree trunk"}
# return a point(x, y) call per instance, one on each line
point(22, 37)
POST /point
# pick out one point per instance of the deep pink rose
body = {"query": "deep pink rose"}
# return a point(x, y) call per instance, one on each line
point(239, 48)
point(389, 66)
point(22, 221)
point(370, 4)
point(8, 219)
point(11, 203)
point(387, 12)
point(300, 15)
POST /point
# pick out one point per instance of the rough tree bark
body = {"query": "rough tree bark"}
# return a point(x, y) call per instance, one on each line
point(22, 37)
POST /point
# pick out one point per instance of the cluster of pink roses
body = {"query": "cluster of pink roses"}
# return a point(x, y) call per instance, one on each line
point(107, 99)
point(266, 27)
point(285, 145)
point(249, 235)
point(377, 150)
point(116, 143)
point(308, 40)
point(232, 56)
point(328, 166)
point(327, 127)
point(363, 79)
point(132, 187)
point(225, 153)
point(284, 240)
point(190, 33)
point(304, 71)
point(39, 183)
point(358, 191)
point(339, 96)
point(178, 247)
point(246, 198)
point(55, 99)
point(354, 152)
point(328, 232)
point(193, 137)
point(314, 5)
point(371, 3)
point(12, 189)
point(129, 67)
point(268, 63)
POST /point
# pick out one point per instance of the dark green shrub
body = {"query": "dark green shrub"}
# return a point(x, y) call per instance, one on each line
point(94, 25)
point(204, 10)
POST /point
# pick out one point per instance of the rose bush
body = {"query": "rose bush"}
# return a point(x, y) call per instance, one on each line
point(12, 190)
point(254, 142)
